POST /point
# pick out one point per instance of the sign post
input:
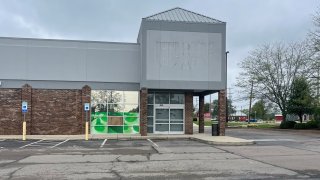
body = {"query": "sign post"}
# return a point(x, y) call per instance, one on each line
point(24, 124)
point(86, 109)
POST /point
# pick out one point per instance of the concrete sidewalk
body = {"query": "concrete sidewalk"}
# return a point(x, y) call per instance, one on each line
point(216, 140)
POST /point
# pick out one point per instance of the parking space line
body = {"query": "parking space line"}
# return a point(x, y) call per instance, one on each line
point(266, 140)
point(47, 143)
point(153, 142)
point(103, 143)
point(59, 143)
point(31, 143)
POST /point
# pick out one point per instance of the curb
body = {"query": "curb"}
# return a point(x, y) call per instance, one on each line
point(243, 143)
point(240, 142)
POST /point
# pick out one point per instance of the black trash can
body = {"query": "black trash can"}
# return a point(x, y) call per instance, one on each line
point(215, 127)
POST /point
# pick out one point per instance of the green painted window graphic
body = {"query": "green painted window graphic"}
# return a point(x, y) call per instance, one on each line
point(114, 112)
point(99, 130)
point(131, 129)
point(99, 119)
point(135, 114)
point(131, 121)
point(115, 129)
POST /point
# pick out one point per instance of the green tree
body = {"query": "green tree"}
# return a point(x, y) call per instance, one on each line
point(231, 108)
point(245, 111)
point(259, 110)
point(272, 68)
point(207, 107)
point(300, 100)
point(314, 42)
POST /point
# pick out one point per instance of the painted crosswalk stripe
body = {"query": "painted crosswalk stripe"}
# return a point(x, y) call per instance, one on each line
point(31, 143)
point(59, 143)
point(153, 142)
point(104, 142)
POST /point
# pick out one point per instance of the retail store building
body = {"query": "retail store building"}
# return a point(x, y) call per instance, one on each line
point(144, 87)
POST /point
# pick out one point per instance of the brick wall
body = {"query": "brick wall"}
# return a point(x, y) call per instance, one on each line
point(143, 111)
point(50, 111)
point(201, 114)
point(222, 111)
point(10, 111)
point(56, 111)
point(188, 109)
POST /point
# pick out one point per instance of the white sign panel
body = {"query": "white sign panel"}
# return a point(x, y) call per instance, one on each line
point(191, 56)
point(24, 106)
point(86, 106)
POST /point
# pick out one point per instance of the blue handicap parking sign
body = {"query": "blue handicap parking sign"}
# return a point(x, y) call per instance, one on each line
point(86, 106)
point(24, 107)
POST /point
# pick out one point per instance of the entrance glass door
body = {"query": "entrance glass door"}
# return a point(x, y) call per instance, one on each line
point(176, 120)
point(169, 120)
point(161, 120)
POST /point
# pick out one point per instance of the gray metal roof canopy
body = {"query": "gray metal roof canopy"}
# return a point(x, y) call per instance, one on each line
point(181, 15)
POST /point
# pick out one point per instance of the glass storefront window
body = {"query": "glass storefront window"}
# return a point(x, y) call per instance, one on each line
point(115, 129)
point(99, 129)
point(115, 107)
point(150, 98)
point(150, 129)
point(176, 127)
point(98, 97)
point(150, 121)
point(150, 110)
point(131, 110)
point(131, 121)
point(100, 108)
point(162, 98)
point(162, 127)
point(114, 96)
point(176, 113)
point(114, 112)
point(176, 98)
point(130, 97)
point(162, 114)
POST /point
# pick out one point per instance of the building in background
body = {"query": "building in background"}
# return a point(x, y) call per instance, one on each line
point(143, 87)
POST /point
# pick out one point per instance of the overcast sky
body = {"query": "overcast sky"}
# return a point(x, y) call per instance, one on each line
point(249, 22)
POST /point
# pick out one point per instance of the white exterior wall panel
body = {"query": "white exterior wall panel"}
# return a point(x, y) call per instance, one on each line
point(56, 60)
point(183, 56)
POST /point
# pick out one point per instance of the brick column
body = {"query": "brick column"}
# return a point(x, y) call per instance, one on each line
point(85, 98)
point(26, 95)
point(201, 114)
point(188, 110)
point(222, 111)
point(143, 111)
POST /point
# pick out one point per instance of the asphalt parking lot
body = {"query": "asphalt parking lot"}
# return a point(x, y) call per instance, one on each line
point(159, 159)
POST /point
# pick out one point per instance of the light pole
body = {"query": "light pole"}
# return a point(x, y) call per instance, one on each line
point(255, 115)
